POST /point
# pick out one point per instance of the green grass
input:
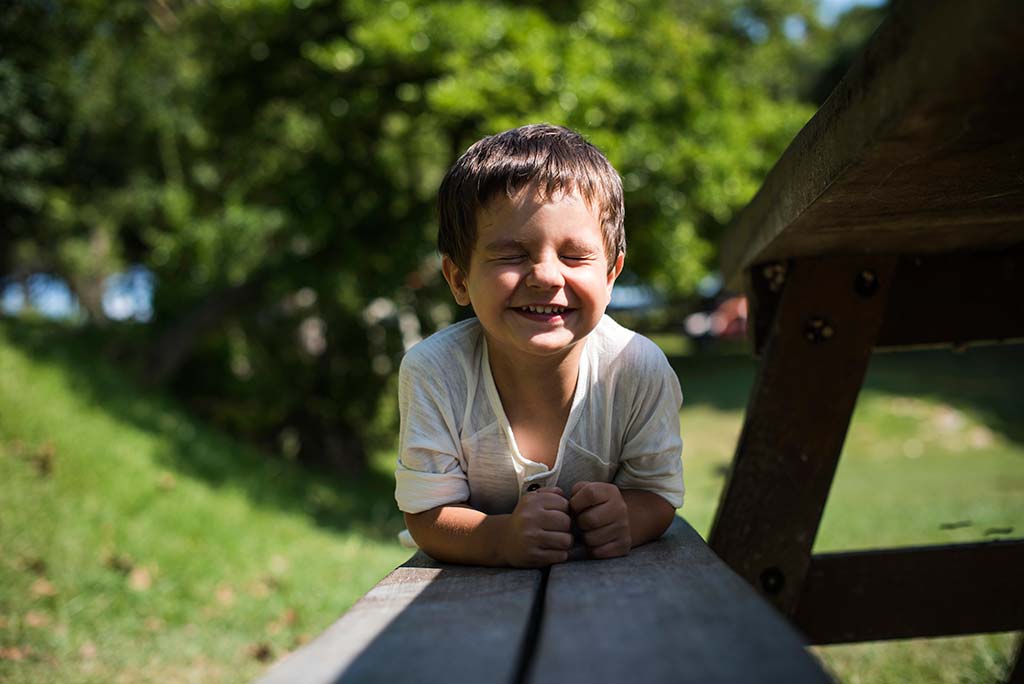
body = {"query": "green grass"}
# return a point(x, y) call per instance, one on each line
point(934, 455)
point(138, 545)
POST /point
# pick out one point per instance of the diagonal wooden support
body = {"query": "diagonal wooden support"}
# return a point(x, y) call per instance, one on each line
point(825, 324)
point(909, 592)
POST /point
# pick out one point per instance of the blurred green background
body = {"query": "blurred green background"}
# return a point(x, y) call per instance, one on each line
point(217, 241)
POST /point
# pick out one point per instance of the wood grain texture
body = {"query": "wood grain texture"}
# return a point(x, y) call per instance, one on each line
point(425, 622)
point(959, 298)
point(950, 299)
point(668, 612)
point(919, 147)
point(913, 592)
point(811, 372)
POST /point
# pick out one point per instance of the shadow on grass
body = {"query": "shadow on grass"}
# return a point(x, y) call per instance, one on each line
point(986, 380)
point(363, 504)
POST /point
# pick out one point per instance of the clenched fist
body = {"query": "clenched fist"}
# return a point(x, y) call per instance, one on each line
point(602, 516)
point(538, 532)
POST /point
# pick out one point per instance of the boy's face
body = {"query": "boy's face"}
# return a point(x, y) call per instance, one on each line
point(538, 276)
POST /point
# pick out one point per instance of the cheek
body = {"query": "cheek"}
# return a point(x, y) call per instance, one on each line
point(593, 286)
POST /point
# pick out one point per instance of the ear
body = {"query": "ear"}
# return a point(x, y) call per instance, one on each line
point(457, 280)
point(616, 270)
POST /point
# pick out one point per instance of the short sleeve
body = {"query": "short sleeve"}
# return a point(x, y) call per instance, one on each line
point(652, 448)
point(429, 472)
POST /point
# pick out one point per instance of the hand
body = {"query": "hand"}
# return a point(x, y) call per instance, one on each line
point(602, 515)
point(539, 530)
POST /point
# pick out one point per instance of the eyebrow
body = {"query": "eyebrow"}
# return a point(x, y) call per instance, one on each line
point(503, 244)
point(509, 244)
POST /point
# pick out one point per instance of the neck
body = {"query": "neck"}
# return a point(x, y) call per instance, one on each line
point(545, 380)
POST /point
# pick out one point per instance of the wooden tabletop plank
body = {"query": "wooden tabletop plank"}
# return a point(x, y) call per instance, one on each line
point(425, 622)
point(671, 611)
point(920, 148)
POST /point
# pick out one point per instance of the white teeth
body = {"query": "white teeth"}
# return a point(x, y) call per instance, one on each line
point(545, 309)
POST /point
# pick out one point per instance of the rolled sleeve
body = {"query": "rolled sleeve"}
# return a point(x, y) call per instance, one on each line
point(429, 472)
point(652, 454)
point(417, 490)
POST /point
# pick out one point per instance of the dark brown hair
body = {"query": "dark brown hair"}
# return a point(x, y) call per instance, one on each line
point(557, 159)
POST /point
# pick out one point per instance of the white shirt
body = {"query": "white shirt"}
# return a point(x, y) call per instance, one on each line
point(456, 445)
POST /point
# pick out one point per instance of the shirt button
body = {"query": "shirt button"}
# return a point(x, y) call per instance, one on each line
point(533, 487)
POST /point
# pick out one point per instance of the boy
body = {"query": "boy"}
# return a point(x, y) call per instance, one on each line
point(542, 413)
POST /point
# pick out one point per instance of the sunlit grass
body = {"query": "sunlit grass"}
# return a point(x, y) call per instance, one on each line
point(123, 563)
point(933, 456)
point(140, 546)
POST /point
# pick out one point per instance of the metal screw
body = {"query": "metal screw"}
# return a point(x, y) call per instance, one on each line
point(818, 329)
point(866, 283)
point(774, 275)
point(772, 581)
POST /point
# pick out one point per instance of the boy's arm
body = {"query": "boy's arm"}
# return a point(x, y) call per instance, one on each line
point(615, 520)
point(649, 515)
point(535, 534)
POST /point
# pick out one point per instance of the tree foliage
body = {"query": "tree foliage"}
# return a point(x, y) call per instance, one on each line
point(274, 164)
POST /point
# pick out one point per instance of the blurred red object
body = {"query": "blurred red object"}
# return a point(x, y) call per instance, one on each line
point(729, 319)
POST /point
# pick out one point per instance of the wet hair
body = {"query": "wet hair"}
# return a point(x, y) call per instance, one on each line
point(556, 159)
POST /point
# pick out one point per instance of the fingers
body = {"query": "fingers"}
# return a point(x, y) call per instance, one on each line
point(542, 558)
point(592, 494)
point(554, 541)
point(552, 490)
point(549, 498)
point(588, 494)
point(612, 549)
point(554, 521)
point(603, 535)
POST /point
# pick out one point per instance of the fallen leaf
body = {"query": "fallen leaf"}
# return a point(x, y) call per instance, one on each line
point(15, 653)
point(259, 588)
point(261, 652)
point(120, 562)
point(225, 595)
point(88, 651)
point(167, 482)
point(33, 564)
point(34, 619)
point(286, 619)
point(43, 587)
point(140, 579)
point(301, 639)
point(43, 459)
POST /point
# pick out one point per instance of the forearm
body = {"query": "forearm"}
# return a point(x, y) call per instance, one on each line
point(460, 534)
point(649, 515)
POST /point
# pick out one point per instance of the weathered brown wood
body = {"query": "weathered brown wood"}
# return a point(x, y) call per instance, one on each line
point(913, 592)
point(425, 622)
point(956, 298)
point(668, 612)
point(935, 299)
point(918, 149)
point(799, 411)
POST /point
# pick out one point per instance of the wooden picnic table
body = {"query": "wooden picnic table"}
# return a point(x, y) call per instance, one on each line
point(668, 612)
point(894, 219)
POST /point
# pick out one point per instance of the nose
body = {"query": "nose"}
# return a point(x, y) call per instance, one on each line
point(545, 273)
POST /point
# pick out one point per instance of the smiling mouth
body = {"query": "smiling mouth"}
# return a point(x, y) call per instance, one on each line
point(544, 309)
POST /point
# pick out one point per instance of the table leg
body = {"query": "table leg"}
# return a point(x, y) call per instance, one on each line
point(817, 349)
